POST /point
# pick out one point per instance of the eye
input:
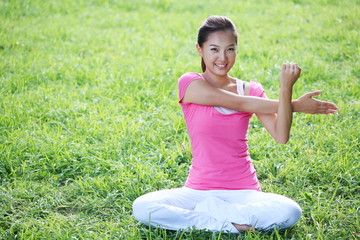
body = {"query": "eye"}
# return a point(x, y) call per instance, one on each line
point(231, 49)
point(213, 49)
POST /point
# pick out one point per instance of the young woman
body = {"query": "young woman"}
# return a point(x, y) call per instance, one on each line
point(222, 192)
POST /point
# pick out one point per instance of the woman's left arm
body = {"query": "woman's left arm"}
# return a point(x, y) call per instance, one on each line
point(279, 124)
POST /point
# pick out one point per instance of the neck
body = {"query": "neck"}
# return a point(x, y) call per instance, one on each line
point(217, 81)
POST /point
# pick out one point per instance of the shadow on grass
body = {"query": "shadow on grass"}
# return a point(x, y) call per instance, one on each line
point(195, 234)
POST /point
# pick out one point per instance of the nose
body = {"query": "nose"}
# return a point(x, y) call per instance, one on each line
point(223, 56)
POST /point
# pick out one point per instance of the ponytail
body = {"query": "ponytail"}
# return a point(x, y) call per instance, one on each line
point(203, 66)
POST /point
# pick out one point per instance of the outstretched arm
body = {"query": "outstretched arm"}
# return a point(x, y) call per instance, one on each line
point(203, 93)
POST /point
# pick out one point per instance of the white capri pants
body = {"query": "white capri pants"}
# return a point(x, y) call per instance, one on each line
point(215, 210)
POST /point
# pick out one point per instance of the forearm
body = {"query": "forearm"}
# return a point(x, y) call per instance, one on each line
point(264, 105)
point(256, 105)
point(284, 116)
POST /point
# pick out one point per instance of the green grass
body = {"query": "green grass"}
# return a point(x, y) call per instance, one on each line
point(89, 118)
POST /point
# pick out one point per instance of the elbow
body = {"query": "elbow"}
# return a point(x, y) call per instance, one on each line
point(282, 136)
point(282, 140)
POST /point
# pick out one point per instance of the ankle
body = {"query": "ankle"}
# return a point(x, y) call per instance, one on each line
point(243, 227)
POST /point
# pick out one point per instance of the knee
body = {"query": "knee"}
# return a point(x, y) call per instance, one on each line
point(294, 213)
point(141, 209)
point(287, 213)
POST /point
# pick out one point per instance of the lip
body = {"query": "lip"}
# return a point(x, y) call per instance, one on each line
point(221, 66)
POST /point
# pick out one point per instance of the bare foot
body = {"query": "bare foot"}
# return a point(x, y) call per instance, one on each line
point(243, 227)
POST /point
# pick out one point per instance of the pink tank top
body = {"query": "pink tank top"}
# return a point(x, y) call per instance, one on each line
point(220, 157)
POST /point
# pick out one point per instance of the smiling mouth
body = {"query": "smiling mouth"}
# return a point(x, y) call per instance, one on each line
point(221, 65)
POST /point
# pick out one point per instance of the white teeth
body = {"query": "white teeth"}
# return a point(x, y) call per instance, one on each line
point(220, 65)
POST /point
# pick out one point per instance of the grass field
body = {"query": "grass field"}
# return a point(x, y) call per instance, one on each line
point(89, 118)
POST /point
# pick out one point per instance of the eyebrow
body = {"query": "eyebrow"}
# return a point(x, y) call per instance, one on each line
point(214, 45)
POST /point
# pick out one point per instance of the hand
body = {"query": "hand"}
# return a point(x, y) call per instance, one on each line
point(289, 74)
point(307, 104)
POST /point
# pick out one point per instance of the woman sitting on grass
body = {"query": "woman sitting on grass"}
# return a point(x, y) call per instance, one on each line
point(222, 192)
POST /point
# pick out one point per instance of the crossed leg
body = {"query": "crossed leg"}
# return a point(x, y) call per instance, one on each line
point(216, 210)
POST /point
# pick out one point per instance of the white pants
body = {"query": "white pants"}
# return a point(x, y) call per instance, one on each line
point(215, 210)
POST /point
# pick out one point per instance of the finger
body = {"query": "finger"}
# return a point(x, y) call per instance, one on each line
point(313, 94)
point(330, 105)
point(317, 93)
point(330, 111)
point(333, 112)
point(327, 111)
point(293, 67)
point(287, 66)
point(327, 107)
point(296, 69)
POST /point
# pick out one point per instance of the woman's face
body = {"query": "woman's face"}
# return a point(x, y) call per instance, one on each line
point(219, 52)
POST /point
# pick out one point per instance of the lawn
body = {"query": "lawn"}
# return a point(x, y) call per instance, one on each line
point(89, 118)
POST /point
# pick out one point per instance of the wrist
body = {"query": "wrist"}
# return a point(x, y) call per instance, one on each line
point(285, 94)
point(286, 88)
point(295, 105)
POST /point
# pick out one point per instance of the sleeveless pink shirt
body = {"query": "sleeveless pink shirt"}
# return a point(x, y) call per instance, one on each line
point(220, 157)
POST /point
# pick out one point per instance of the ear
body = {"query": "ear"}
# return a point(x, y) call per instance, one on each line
point(199, 49)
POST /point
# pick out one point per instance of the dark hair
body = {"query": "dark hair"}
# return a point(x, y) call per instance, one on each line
point(213, 24)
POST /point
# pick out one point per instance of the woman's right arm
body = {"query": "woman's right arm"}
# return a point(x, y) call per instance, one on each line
point(203, 93)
